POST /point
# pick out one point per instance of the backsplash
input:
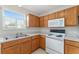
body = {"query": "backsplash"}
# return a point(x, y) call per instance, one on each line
point(70, 31)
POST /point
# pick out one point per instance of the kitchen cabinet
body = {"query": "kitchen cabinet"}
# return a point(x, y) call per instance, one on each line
point(71, 47)
point(71, 16)
point(23, 46)
point(26, 46)
point(46, 21)
point(42, 21)
point(33, 20)
point(42, 42)
point(52, 16)
point(35, 43)
point(60, 14)
point(11, 50)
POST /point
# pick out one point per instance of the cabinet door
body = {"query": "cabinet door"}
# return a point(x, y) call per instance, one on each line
point(60, 14)
point(33, 21)
point(42, 43)
point(35, 44)
point(29, 46)
point(52, 16)
point(26, 47)
point(41, 21)
point(37, 23)
point(73, 50)
point(46, 21)
point(71, 16)
point(65, 49)
point(11, 50)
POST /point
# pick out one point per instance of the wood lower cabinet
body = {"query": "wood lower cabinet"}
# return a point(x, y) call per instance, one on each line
point(71, 47)
point(42, 42)
point(23, 46)
point(35, 43)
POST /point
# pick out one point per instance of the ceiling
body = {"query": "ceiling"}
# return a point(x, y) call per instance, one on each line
point(41, 10)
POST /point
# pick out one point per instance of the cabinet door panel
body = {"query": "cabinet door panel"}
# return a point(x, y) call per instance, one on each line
point(73, 50)
point(52, 16)
point(35, 44)
point(33, 20)
point(41, 21)
point(11, 50)
point(26, 47)
point(60, 14)
point(42, 43)
point(71, 16)
point(46, 21)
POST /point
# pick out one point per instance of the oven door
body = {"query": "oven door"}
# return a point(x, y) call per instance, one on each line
point(55, 45)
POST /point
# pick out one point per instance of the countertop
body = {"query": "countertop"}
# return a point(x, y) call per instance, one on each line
point(2, 40)
point(72, 38)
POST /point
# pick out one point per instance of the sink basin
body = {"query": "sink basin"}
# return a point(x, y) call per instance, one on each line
point(15, 36)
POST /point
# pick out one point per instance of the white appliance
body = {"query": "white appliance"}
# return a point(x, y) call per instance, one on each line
point(56, 22)
point(55, 42)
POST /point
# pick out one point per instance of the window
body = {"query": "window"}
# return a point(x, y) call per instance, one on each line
point(13, 20)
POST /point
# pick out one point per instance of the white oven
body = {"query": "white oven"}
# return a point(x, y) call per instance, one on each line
point(55, 42)
point(57, 46)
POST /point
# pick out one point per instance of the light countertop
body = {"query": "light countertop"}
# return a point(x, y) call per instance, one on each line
point(2, 40)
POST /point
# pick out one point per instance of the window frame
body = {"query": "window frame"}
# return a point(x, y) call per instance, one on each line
point(3, 12)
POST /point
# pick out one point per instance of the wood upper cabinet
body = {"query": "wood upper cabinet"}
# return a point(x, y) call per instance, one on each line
point(33, 20)
point(35, 43)
point(42, 42)
point(46, 21)
point(52, 16)
point(23, 46)
point(71, 47)
point(42, 21)
point(60, 14)
point(71, 16)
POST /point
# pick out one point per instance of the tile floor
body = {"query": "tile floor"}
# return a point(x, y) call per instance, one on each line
point(39, 51)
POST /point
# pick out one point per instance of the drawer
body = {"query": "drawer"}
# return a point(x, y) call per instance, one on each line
point(8, 44)
point(73, 43)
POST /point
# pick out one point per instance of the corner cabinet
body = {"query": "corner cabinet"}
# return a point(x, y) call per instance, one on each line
point(71, 47)
point(42, 42)
point(33, 21)
point(42, 21)
point(46, 21)
point(35, 42)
